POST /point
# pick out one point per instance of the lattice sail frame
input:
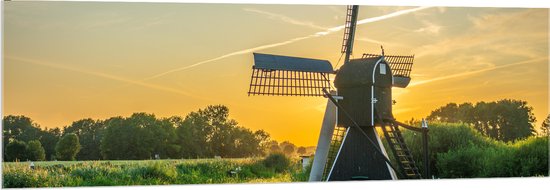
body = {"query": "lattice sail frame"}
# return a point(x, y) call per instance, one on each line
point(289, 76)
point(288, 83)
point(401, 66)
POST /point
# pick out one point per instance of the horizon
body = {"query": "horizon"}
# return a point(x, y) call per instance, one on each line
point(65, 61)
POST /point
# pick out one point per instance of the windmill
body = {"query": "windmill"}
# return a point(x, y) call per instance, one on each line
point(349, 147)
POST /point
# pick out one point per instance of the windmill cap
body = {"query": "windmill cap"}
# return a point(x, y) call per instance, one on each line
point(358, 72)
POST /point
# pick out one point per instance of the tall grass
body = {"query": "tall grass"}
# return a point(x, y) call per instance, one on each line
point(152, 172)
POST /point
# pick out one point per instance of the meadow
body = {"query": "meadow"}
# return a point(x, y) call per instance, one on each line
point(274, 168)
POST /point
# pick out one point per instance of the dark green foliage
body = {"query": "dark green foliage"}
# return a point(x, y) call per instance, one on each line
point(16, 150)
point(499, 161)
point(442, 138)
point(19, 128)
point(458, 151)
point(532, 155)
point(210, 132)
point(67, 147)
point(49, 139)
point(206, 133)
point(89, 134)
point(460, 163)
point(506, 120)
point(35, 151)
point(277, 161)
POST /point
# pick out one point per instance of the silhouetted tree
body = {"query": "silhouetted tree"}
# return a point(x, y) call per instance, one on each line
point(288, 147)
point(301, 150)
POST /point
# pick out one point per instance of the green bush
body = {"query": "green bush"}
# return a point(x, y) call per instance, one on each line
point(277, 161)
point(457, 150)
point(460, 163)
point(442, 137)
point(532, 155)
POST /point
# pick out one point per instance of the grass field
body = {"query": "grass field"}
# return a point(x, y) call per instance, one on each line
point(148, 172)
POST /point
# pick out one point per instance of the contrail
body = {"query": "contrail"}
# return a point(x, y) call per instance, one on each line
point(318, 34)
point(103, 75)
point(474, 72)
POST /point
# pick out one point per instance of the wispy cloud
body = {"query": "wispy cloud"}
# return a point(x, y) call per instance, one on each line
point(318, 34)
point(429, 28)
point(103, 75)
point(285, 19)
point(476, 71)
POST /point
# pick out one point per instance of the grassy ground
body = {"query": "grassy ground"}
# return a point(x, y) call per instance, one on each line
point(147, 172)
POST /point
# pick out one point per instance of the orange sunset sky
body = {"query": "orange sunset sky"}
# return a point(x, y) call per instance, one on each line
point(65, 61)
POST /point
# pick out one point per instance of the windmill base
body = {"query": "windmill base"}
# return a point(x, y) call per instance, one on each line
point(358, 159)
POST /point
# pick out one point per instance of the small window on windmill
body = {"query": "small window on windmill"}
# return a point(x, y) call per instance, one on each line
point(383, 69)
point(289, 76)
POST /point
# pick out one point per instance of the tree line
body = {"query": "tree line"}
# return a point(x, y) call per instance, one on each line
point(505, 120)
point(205, 133)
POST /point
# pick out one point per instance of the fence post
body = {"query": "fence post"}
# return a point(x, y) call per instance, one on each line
point(425, 147)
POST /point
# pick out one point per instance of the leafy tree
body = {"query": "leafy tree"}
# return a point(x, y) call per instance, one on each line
point(67, 147)
point(210, 132)
point(140, 136)
point(89, 134)
point(191, 136)
point(18, 128)
point(49, 139)
point(16, 150)
point(119, 141)
point(505, 120)
point(35, 151)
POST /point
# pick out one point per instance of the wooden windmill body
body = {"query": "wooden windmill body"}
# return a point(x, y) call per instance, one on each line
point(349, 147)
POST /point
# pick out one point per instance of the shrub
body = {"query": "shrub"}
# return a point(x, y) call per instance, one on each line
point(532, 155)
point(277, 161)
point(460, 163)
point(457, 150)
point(442, 137)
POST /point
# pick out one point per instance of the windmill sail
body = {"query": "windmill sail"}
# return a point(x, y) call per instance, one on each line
point(289, 76)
